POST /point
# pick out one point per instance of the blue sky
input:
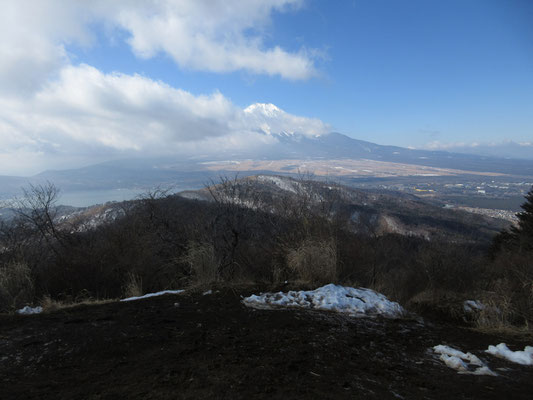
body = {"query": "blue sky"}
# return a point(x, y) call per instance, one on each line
point(420, 73)
point(394, 72)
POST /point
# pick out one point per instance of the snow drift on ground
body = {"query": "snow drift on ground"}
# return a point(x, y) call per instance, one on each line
point(464, 363)
point(524, 357)
point(30, 310)
point(153, 295)
point(471, 306)
point(332, 298)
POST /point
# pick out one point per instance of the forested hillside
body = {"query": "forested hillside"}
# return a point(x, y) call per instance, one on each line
point(267, 230)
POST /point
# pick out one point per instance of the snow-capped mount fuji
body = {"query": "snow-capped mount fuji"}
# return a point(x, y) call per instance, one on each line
point(304, 138)
point(268, 119)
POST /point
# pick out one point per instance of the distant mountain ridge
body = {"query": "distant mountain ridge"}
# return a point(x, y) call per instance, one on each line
point(507, 149)
point(337, 145)
point(191, 171)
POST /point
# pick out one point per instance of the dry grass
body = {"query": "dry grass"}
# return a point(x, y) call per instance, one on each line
point(498, 318)
point(279, 273)
point(497, 314)
point(16, 286)
point(511, 290)
point(203, 264)
point(133, 286)
point(49, 305)
point(314, 261)
point(508, 304)
point(524, 332)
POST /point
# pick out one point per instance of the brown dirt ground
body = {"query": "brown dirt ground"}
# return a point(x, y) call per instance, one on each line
point(190, 346)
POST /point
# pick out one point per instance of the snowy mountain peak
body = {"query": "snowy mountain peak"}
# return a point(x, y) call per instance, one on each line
point(265, 109)
point(271, 120)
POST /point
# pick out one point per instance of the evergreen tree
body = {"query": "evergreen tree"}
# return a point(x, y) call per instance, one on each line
point(525, 218)
point(519, 237)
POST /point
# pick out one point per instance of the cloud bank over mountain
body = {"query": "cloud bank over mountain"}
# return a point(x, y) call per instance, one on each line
point(89, 115)
point(508, 148)
point(56, 114)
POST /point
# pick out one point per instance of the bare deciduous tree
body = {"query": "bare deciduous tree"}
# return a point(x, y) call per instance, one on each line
point(37, 209)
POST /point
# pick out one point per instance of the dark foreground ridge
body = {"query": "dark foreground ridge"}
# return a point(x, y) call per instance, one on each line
point(192, 346)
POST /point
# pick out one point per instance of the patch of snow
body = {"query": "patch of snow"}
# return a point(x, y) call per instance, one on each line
point(484, 370)
point(152, 295)
point(464, 363)
point(472, 306)
point(207, 292)
point(283, 184)
point(192, 195)
point(392, 225)
point(330, 297)
point(30, 310)
point(524, 357)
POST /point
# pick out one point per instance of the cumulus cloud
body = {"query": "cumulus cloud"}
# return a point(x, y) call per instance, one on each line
point(54, 114)
point(211, 35)
point(86, 115)
point(207, 35)
point(129, 111)
point(28, 57)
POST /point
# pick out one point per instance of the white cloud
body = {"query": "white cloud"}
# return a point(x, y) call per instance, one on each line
point(207, 35)
point(129, 111)
point(452, 146)
point(437, 145)
point(54, 114)
point(507, 148)
point(33, 36)
point(87, 115)
point(211, 35)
